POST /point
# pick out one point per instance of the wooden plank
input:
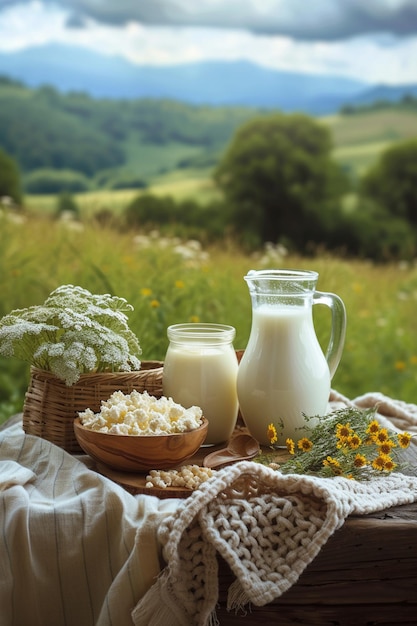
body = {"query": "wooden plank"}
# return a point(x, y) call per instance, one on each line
point(349, 615)
point(366, 574)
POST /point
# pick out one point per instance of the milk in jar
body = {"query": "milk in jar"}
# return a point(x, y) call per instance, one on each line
point(201, 369)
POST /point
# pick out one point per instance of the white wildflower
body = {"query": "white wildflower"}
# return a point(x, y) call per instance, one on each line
point(141, 241)
point(190, 251)
point(71, 333)
point(273, 253)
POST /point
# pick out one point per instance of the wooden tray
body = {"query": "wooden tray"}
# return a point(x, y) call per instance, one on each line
point(135, 483)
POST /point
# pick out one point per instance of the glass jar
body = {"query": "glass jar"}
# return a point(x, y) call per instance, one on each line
point(200, 369)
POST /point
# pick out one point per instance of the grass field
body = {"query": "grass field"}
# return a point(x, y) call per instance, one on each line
point(167, 284)
point(197, 186)
point(150, 158)
point(360, 138)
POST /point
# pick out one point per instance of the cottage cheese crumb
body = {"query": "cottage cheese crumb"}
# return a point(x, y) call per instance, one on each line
point(189, 476)
point(141, 414)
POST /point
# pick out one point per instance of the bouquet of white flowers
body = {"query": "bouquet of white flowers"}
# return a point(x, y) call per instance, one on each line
point(73, 332)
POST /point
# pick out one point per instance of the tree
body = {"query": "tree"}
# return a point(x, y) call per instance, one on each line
point(391, 182)
point(9, 178)
point(278, 177)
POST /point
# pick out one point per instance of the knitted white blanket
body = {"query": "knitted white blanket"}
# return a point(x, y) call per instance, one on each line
point(267, 526)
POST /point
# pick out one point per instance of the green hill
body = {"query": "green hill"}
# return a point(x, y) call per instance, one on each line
point(42, 128)
point(131, 143)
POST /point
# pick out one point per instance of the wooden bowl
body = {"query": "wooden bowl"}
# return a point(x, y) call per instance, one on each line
point(133, 453)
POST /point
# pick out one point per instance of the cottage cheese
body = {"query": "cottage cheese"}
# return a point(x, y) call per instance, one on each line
point(189, 476)
point(141, 414)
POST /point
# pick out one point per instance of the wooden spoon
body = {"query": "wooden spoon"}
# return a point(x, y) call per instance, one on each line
point(240, 448)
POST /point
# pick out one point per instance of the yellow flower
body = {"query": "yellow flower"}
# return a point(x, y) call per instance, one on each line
point(179, 284)
point(373, 427)
point(343, 431)
point(305, 444)
point(413, 360)
point(400, 366)
point(386, 446)
point(155, 304)
point(194, 319)
point(352, 444)
point(145, 291)
point(290, 445)
point(404, 439)
point(389, 464)
point(381, 436)
point(360, 460)
point(331, 462)
point(272, 434)
point(354, 441)
point(379, 462)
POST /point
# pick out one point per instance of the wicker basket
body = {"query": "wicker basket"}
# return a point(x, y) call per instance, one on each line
point(51, 406)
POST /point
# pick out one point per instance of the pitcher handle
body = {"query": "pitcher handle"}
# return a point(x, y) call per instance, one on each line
point(338, 332)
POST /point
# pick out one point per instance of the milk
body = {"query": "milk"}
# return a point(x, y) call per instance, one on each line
point(204, 376)
point(283, 372)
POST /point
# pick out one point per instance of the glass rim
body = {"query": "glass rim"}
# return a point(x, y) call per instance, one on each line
point(282, 274)
point(200, 330)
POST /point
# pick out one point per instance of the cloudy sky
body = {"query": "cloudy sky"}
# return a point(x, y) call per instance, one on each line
point(373, 40)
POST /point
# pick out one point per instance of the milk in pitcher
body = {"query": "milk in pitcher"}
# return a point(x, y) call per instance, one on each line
point(283, 373)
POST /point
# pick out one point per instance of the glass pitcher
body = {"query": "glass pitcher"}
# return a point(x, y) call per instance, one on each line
point(283, 375)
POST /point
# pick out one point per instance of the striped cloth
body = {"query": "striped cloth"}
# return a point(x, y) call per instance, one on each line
point(75, 549)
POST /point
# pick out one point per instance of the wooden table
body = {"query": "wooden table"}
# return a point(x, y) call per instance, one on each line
point(365, 575)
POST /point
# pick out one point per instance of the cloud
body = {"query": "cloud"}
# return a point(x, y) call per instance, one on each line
point(299, 19)
point(374, 58)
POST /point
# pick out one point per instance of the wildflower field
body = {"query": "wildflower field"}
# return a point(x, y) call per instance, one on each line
point(170, 281)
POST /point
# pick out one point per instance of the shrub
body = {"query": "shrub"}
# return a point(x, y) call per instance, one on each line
point(9, 178)
point(114, 179)
point(372, 232)
point(147, 209)
point(48, 181)
point(188, 218)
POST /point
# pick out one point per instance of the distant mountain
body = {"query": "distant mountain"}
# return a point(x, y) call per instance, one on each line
point(217, 83)
point(384, 93)
point(239, 83)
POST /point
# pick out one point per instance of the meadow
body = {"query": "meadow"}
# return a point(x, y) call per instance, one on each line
point(170, 281)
